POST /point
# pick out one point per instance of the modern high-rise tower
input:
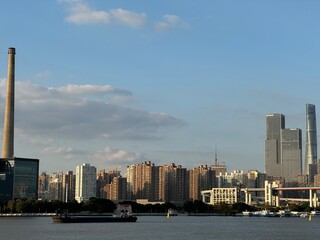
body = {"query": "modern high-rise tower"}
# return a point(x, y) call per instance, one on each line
point(283, 149)
point(274, 124)
point(311, 142)
point(291, 156)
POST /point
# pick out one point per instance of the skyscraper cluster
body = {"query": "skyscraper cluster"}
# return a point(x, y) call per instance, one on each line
point(283, 149)
point(168, 182)
point(165, 183)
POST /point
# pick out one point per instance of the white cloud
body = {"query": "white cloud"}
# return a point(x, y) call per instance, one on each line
point(2, 87)
point(128, 18)
point(168, 22)
point(114, 156)
point(75, 89)
point(42, 75)
point(66, 152)
point(81, 13)
point(36, 143)
point(68, 112)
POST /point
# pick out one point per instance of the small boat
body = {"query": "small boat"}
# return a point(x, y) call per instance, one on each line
point(304, 214)
point(266, 213)
point(247, 213)
point(285, 213)
point(263, 213)
point(171, 212)
point(315, 213)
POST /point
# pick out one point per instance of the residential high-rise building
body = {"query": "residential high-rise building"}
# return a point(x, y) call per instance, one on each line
point(68, 186)
point(117, 190)
point(291, 145)
point(85, 182)
point(230, 179)
point(112, 174)
point(274, 124)
point(173, 184)
point(131, 176)
point(310, 168)
point(55, 186)
point(142, 181)
point(200, 178)
point(43, 186)
point(255, 179)
point(102, 180)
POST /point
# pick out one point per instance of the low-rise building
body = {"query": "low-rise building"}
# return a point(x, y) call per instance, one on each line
point(220, 195)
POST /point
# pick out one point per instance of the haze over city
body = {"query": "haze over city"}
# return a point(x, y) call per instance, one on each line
point(114, 83)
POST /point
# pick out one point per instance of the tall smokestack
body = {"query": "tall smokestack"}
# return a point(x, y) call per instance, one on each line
point(8, 130)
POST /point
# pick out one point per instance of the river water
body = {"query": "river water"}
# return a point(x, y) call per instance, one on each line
point(156, 227)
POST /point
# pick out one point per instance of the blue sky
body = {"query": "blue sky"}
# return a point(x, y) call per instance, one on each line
point(115, 83)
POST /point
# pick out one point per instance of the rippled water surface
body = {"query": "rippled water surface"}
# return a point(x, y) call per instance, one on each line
point(180, 227)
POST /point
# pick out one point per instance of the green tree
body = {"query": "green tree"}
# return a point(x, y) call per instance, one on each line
point(189, 207)
point(99, 205)
point(11, 206)
point(240, 207)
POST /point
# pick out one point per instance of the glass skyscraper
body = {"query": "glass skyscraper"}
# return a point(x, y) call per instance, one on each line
point(25, 177)
point(283, 149)
point(291, 147)
point(310, 168)
point(6, 181)
point(274, 124)
point(19, 178)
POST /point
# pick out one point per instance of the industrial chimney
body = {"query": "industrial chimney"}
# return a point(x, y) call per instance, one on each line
point(8, 130)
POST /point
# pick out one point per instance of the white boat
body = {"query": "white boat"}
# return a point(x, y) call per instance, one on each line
point(285, 213)
point(263, 213)
point(123, 210)
point(266, 213)
point(247, 213)
point(315, 213)
point(172, 212)
point(303, 214)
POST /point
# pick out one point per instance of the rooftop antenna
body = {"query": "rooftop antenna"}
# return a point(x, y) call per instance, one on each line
point(216, 163)
point(215, 156)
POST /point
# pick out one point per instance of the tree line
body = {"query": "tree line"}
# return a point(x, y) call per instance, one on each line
point(98, 205)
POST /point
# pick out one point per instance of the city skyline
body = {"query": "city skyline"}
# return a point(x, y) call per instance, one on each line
point(118, 83)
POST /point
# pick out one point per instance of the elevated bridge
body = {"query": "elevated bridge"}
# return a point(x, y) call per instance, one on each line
point(272, 194)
